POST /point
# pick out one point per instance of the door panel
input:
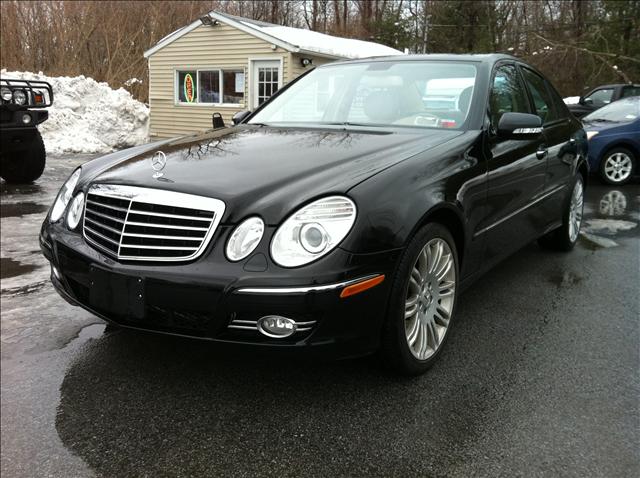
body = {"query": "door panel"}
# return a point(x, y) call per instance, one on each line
point(561, 150)
point(516, 174)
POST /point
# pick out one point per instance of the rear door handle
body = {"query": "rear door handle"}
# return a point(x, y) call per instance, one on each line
point(542, 153)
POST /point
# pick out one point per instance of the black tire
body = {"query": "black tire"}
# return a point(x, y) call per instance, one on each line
point(622, 153)
point(560, 239)
point(395, 349)
point(27, 165)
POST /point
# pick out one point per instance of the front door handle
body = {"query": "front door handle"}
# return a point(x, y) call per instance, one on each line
point(542, 153)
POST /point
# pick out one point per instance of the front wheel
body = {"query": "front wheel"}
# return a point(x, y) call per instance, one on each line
point(423, 299)
point(565, 237)
point(25, 166)
point(617, 166)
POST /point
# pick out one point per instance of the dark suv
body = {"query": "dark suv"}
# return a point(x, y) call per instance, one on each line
point(602, 96)
point(22, 154)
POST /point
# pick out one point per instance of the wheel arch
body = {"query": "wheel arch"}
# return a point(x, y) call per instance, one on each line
point(450, 217)
point(622, 143)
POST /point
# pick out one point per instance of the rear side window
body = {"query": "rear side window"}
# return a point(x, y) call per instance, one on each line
point(542, 99)
point(630, 91)
point(507, 94)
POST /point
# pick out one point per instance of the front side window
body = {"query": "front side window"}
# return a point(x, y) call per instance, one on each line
point(507, 94)
point(210, 86)
point(602, 97)
point(541, 97)
point(414, 94)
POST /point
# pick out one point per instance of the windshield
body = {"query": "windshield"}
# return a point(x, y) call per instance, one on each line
point(621, 111)
point(391, 93)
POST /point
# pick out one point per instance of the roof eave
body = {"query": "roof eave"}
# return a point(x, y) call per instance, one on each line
point(254, 32)
point(171, 38)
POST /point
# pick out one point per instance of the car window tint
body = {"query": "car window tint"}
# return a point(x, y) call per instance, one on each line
point(600, 97)
point(630, 91)
point(507, 94)
point(558, 102)
point(541, 96)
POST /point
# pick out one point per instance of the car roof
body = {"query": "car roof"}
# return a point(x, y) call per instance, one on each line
point(490, 58)
point(615, 85)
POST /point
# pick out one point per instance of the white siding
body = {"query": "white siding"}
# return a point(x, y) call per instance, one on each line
point(219, 46)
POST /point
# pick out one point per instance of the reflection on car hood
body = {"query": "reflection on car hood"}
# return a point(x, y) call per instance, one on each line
point(263, 170)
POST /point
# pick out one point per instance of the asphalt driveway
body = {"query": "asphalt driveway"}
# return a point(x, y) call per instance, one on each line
point(540, 377)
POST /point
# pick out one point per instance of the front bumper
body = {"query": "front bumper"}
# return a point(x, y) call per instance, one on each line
point(214, 299)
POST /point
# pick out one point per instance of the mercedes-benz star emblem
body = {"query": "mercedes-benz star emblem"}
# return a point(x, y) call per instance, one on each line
point(158, 162)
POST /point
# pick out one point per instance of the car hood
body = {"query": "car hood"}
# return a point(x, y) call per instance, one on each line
point(603, 125)
point(264, 170)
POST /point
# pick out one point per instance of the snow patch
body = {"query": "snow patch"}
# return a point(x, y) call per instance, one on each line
point(571, 100)
point(329, 45)
point(608, 226)
point(88, 116)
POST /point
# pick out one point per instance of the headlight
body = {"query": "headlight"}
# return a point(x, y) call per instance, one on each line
point(75, 211)
point(313, 231)
point(245, 239)
point(19, 97)
point(5, 93)
point(64, 196)
point(591, 134)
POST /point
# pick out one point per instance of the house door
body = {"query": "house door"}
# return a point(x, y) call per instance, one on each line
point(265, 82)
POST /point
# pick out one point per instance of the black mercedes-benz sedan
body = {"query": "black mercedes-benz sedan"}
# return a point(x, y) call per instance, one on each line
point(344, 216)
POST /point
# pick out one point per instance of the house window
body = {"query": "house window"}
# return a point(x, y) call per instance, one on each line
point(213, 87)
point(267, 83)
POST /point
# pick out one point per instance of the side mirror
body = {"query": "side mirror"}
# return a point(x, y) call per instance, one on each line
point(519, 126)
point(240, 116)
point(587, 101)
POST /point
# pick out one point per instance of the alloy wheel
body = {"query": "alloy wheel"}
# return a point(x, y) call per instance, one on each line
point(575, 211)
point(617, 167)
point(430, 299)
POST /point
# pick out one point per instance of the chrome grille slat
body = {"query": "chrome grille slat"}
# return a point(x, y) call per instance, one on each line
point(125, 213)
point(168, 248)
point(173, 216)
point(106, 216)
point(109, 228)
point(95, 203)
point(86, 228)
point(155, 236)
point(168, 226)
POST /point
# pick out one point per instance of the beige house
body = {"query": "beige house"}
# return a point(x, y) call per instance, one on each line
point(223, 63)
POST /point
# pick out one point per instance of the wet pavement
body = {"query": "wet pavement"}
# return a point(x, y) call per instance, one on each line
point(540, 377)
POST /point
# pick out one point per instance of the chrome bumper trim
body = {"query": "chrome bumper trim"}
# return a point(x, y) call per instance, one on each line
point(301, 290)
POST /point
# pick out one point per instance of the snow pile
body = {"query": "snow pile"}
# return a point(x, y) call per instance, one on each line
point(571, 100)
point(320, 43)
point(89, 117)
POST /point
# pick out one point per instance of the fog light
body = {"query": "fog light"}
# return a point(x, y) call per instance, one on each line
point(26, 119)
point(277, 327)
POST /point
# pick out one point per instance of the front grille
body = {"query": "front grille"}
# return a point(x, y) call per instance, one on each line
point(141, 224)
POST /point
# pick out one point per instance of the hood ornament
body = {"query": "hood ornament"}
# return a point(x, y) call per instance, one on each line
point(158, 162)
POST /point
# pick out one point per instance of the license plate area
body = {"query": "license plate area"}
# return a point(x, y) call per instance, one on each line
point(116, 294)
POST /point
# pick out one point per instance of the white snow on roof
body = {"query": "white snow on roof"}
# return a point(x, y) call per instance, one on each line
point(325, 44)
